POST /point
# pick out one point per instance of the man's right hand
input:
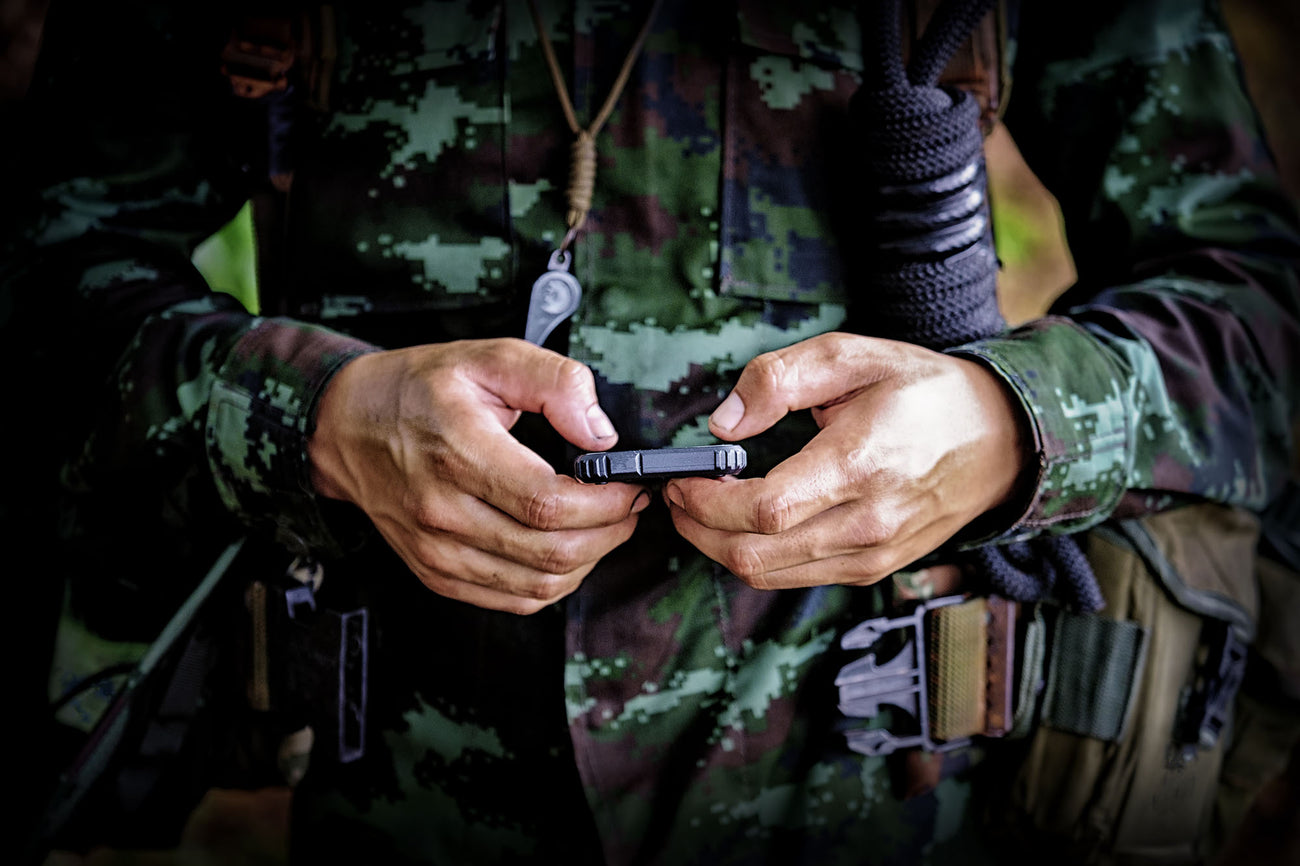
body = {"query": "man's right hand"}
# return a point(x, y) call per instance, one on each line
point(420, 440)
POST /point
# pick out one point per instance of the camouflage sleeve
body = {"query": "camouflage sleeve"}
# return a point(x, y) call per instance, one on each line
point(1168, 373)
point(261, 409)
point(170, 379)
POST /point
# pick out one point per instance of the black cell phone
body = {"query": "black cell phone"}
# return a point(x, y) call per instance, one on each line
point(657, 464)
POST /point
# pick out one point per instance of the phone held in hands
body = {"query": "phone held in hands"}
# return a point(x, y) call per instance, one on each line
point(657, 464)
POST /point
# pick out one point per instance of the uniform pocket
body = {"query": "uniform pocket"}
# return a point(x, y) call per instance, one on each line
point(405, 201)
point(785, 204)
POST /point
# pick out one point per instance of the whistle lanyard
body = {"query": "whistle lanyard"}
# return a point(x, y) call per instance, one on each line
point(556, 293)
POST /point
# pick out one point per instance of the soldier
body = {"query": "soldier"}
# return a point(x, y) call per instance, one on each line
point(629, 673)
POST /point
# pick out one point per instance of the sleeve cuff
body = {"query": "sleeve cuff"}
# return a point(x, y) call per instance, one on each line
point(1073, 392)
point(262, 412)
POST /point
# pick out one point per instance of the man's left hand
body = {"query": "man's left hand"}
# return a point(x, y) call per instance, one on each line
point(913, 446)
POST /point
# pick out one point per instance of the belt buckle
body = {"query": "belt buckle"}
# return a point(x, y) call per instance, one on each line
point(900, 681)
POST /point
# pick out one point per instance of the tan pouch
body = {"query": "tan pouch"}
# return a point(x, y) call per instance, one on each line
point(1179, 577)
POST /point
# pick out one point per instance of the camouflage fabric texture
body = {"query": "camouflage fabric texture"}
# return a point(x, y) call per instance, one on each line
point(665, 712)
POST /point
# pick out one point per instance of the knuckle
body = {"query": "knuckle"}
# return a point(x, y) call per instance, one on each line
point(871, 567)
point(836, 344)
point(875, 529)
point(544, 510)
point(434, 580)
point(745, 562)
point(769, 370)
point(560, 556)
point(546, 588)
point(573, 376)
point(426, 559)
point(425, 513)
point(524, 606)
point(773, 512)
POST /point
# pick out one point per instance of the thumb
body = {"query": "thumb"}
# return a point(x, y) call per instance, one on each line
point(810, 373)
point(532, 379)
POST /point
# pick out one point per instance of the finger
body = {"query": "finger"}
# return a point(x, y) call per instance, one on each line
point(536, 497)
point(478, 525)
point(488, 598)
point(835, 533)
point(487, 462)
point(810, 373)
point(856, 569)
point(478, 577)
point(933, 581)
point(481, 579)
point(813, 556)
point(527, 377)
point(824, 474)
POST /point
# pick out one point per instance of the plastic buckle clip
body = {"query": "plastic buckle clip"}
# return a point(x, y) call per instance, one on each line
point(298, 600)
point(865, 684)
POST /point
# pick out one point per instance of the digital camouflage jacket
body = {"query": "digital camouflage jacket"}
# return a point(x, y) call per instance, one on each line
point(665, 712)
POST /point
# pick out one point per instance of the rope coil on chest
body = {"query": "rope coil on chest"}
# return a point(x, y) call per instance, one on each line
point(933, 272)
point(931, 278)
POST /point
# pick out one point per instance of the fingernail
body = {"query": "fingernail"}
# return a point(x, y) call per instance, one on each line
point(641, 503)
point(674, 495)
point(598, 422)
point(729, 412)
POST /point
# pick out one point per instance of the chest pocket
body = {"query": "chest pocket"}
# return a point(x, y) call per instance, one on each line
point(785, 205)
point(405, 206)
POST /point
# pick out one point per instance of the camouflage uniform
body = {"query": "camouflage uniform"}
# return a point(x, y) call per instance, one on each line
point(665, 712)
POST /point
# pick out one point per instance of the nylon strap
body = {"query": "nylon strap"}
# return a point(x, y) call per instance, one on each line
point(1093, 674)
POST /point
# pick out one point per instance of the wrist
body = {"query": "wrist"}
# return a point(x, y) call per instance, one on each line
point(326, 466)
point(1012, 470)
point(1072, 390)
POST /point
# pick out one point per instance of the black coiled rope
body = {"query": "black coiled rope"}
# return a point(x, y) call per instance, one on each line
point(932, 275)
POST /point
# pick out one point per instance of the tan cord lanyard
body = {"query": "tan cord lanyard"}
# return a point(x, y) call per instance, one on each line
point(556, 293)
point(582, 153)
